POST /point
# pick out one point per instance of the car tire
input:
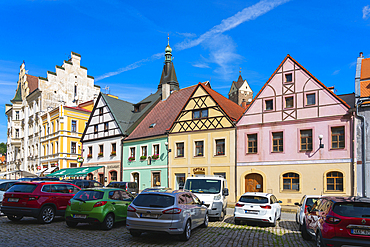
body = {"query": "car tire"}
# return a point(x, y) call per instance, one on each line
point(304, 232)
point(222, 216)
point(237, 222)
point(71, 223)
point(14, 217)
point(319, 240)
point(185, 236)
point(108, 222)
point(135, 233)
point(279, 215)
point(46, 215)
point(273, 224)
point(205, 223)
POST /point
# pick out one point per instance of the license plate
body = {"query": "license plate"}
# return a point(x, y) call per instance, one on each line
point(13, 199)
point(79, 216)
point(153, 216)
point(360, 232)
point(251, 212)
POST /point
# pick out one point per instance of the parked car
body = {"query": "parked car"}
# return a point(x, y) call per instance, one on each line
point(103, 206)
point(257, 207)
point(156, 189)
point(41, 200)
point(128, 186)
point(82, 183)
point(171, 211)
point(39, 179)
point(337, 221)
point(4, 186)
point(306, 201)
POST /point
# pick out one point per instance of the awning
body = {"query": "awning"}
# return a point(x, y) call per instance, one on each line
point(4, 174)
point(50, 170)
point(39, 172)
point(25, 174)
point(74, 172)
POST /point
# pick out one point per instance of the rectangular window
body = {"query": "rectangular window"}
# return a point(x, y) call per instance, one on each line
point(200, 114)
point(74, 147)
point(16, 133)
point(144, 151)
point(114, 147)
point(156, 178)
point(289, 77)
point(17, 115)
point(56, 147)
point(90, 151)
point(220, 147)
point(252, 143)
point(310, 99)
point(289, 102)
point(101, 150)
point(100, 111)
point(306, 140)
point(180, 149)
point(277, 142)
point(199, 148)
point(156, 149)
point(96, 129)
point(269, 105)
point(337, 137)
point(106, 127)
point(132, 153)
point(73, 165)
point(74, 126)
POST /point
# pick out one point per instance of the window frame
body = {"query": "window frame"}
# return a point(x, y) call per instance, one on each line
point(142, 147)
point(153, 148)
point(338, 136)
point(286, 79)
point(306, 101)
point(256, 147)
point(73, 126)
point(307, 143)
point(217, 145)
point(177, 148)
point(132, 153)
point(200, 113)
point(291, 181)
point(285, 102)
point(272, 142)
point(106, 126)
point(265, 105)
point(96, 128)
point(334, 182)
point(101, 150)
point(196, 154)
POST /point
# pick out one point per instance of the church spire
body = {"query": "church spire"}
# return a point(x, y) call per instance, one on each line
point(168, 72)
point(168, 51)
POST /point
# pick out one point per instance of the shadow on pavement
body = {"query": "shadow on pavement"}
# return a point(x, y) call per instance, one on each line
point(289, 225)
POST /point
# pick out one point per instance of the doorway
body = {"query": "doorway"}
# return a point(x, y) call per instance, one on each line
point(253, 183)
point(156, 178)
point(135, 177)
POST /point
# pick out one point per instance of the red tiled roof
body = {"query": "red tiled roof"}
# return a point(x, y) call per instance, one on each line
point(77, 108)
point(33, 82)
point(233, 110)
point(304, 69)
point(162, 115)
point(365, 69)
point(85, 103)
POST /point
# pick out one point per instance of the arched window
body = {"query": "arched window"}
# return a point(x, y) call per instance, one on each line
point(113, 176)
point(334, 181)
point(291, 181)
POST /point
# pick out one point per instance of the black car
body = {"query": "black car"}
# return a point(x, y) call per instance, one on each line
point(128, 186)
point(39, 179)
point(82, 183)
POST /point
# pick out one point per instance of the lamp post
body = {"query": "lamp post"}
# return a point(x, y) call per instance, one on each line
point(168, 160)
point(321, 144)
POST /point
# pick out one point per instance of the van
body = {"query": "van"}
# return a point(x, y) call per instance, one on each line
point(212, 190)
point(128, 186)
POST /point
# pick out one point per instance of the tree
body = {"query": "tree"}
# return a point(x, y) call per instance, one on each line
point(3, 148)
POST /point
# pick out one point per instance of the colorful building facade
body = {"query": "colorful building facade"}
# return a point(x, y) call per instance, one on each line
point(295, 138)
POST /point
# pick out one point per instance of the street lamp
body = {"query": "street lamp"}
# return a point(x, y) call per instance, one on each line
point(321, 144)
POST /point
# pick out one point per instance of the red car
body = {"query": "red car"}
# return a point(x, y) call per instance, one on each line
point(42, 200)
point(337, 221)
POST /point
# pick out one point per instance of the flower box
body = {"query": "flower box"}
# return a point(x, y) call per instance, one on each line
point(155, 156)
point(89, 156)
point(143, 157)
point(220, 153)
point(131, 158)
point(113, 153)
point(100, 154)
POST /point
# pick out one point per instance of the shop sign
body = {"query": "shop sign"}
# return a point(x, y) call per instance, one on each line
point(113, 166)
point(39, 168)
point(199, 169)
point(80, 159)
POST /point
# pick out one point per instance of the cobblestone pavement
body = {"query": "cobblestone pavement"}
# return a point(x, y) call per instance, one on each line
point(28, 232)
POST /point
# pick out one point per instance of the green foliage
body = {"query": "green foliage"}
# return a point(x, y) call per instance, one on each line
point(3, 148)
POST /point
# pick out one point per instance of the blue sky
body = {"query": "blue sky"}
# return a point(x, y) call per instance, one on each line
point(122, 42)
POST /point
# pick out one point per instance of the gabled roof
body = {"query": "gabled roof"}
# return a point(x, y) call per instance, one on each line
point(33, 82)
point(305, 70)
point(162, 115)
point(77, 108)
point(239, 82)
point(18, 94)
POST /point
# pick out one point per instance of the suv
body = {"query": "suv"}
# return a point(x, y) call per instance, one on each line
point(4, 186)
point(337, 221)
point(171, 211)
point(306, 201)
point(41, 200)
point(128, 186)
point(82, 183)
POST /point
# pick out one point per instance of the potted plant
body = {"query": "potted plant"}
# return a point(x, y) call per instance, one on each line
point(100, 154)
point(131, 158)
point(89, 156)
point(220, 153)
point(155, 156)
point(113, 153)
point(143, 157)
point(200, 154)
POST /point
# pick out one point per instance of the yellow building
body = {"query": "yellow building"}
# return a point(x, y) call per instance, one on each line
point(62, 128)
point(202, 138)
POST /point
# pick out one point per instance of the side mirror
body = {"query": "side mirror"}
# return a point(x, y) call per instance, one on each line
point(280, 202)
point(225, 192)
point(297, 204)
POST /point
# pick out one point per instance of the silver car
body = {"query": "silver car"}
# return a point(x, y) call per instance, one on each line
point(171, 211)
point(4, 186)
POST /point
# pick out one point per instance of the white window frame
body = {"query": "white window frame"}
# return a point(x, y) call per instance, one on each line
point(195, 148)
point(215, 146)
point(141, 151)
point(76, 125)
point(159, 148)
point(129, 152)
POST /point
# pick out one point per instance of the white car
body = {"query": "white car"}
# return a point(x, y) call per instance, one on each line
point(4, 186)
point(307, 200)
point(257, 207)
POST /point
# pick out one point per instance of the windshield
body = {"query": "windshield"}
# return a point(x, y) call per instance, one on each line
point(352, 209)
point(25, 188)
point(211, 186)
point(88, 195)
point(154, 200)
point(254, 199)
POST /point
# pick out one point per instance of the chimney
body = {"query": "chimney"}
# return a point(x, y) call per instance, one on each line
point(244, 104)
point(165, 91)
point(358, 76)
point(331, 89)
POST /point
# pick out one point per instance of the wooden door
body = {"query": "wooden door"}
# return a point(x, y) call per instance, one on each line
point(253, 183)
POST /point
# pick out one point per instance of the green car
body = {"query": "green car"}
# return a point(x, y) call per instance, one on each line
point(103, 206)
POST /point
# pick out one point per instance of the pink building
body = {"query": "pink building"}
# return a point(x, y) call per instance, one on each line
point(279, 136)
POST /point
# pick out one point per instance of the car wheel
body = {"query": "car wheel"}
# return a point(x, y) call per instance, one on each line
point(46, 215)
point(319, 242)
point(71, 223)
point(108, 222)
point(273, 224)
point(279, 215)
point(304, 232)
point(206, 220)
point(222, 216)
point(135, 233)
point(185, 236)
point(14, 217)
point(237, 222)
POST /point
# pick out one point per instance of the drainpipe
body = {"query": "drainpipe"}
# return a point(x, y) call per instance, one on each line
point(121, 162)
point(236, 162)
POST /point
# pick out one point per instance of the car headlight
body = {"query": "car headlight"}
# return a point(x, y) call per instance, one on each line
point(218, 197)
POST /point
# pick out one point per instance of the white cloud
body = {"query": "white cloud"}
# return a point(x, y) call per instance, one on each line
point(187, 35)
point(365, 12)
point(336, 72)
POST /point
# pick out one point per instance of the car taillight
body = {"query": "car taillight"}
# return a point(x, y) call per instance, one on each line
point(33, 198)
point(99, 204)
point(131, 209)
point(305, 208)
point(172, 211)
point(239, 205)
point(266, 207)
point(332, 220)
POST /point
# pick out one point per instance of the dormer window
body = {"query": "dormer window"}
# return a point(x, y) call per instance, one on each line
point(289, 77)
point(152, 125)
point(200, 114)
